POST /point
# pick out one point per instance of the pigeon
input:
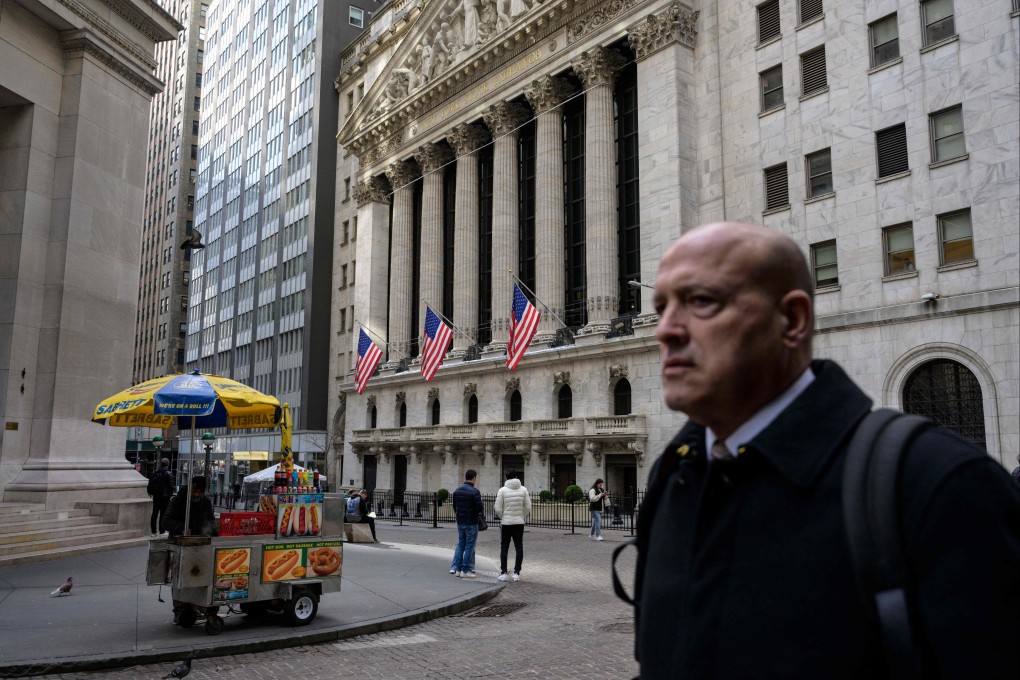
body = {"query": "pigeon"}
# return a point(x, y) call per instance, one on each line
point(64, 589)
point(180, 670)
point(193, 242)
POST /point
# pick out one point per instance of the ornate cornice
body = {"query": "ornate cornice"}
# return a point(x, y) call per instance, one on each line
point(402, 173)
point(598, 66)
point(432, 156)
point(77, 42)
point(547, 93)
point(676, 24)
point(371, 190)
point(140, 20)
point(107, 29)
point(503, 118)
point(601, 12)
point(467, 138)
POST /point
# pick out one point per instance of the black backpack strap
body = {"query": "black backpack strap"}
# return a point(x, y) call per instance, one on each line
point(617, 585)
point(872, 524)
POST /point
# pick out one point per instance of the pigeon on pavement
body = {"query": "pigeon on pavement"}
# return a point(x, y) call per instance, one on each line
point(64, 589)
point(180, 670)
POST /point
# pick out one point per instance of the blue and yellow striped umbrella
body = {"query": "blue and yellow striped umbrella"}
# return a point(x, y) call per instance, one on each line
point(205, 401)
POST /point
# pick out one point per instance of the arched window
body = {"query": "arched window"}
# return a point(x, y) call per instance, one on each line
point(621, 398)
point(473, 409)
point(403, 414)
point(515, 405)
point(565, 398)
point(373, 421)
point(949, 394)
point(435, 411)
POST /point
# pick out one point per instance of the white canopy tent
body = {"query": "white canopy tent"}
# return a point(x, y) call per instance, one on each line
point(267, 474)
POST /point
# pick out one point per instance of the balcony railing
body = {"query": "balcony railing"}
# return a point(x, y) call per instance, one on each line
point(565, 428)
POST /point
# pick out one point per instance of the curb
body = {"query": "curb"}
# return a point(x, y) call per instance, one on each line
point(98, 662)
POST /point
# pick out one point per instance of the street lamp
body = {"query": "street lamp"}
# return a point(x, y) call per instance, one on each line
point(207, 442)
point(157, 443)
point(638, 284)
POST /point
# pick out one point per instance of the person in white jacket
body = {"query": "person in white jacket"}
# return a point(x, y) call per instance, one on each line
point(513, 506)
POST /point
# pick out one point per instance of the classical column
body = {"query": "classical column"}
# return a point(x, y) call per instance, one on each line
point(669, 165)
point(545, 96)
point(503, 119)
point(431, 158)
point(597, 69)
point(401, 174)
point(466, 140)
point(371, 195)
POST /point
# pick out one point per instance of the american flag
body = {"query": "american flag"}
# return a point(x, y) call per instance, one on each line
point(437, 340)
point(523, 324)
point(368, 358)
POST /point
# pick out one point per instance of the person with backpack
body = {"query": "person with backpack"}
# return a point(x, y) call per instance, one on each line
point(598, 501)
point(467, 506)
point(750, 559)
point(160, 489)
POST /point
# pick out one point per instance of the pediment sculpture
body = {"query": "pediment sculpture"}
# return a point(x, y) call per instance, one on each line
point(460, 28)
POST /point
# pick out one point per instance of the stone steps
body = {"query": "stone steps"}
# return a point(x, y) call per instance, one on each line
point(70, 551)
point(15, 523)
point(41, 531)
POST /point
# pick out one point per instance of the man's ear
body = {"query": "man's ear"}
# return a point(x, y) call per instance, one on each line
point(798, 314)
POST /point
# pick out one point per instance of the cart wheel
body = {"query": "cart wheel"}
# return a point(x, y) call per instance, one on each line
point(213, 625)
point(302, 609)
point(188, 617)
point(254, 608)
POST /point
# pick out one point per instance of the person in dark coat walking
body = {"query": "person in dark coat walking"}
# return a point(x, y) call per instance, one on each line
point(745, 570)
point(161, 490)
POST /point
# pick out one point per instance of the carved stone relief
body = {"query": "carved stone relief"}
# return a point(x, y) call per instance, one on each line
point(433, 393)
point(431, 157)
point(470, 388)
point(401, 397)
point(513, 384)
point(371, 400)
point(618, 371)
point(402, 173)
point(598, 66)
point(371, 190)
point(675, 24)
point(466, 138)
point(602, 14)
point(561, 378)
point(548, 92)
point(505, 117)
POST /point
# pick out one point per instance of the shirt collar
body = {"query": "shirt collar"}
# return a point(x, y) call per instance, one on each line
point(763, 417)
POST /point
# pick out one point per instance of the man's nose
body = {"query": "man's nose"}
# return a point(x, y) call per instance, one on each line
point(672, 325)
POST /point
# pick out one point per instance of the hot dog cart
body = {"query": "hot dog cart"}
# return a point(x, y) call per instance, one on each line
point(283, 558)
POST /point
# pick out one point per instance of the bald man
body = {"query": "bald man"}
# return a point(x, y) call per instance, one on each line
point(744, 569)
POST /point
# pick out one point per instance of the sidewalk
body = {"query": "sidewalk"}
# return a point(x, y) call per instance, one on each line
point(114, 619)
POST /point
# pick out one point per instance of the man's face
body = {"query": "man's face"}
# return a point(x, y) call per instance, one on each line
point(719, 333)
point(196, 494)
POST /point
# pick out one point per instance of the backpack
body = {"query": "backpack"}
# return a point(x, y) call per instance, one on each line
point(872, 525)
point(354, 509)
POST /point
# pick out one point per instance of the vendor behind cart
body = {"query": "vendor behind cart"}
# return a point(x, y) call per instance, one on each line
point(203, 521)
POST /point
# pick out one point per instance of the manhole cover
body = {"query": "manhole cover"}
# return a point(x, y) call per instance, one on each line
point(501, 609)
point(623, 628)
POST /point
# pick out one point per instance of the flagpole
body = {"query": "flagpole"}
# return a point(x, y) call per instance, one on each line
point(537, 299)
point(447, 321)
point(362, 327)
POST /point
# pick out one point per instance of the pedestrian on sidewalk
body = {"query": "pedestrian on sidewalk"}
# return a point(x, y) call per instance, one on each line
point(160, 488)
point(467, 505)
point(513, 506)
point(202, 522)
point(366, 517)
point(598, 500)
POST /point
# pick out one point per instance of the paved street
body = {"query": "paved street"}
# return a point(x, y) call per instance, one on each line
point(571, 625)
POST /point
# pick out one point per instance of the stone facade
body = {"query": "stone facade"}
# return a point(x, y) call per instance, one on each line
point(76, 79)
point(703, 145)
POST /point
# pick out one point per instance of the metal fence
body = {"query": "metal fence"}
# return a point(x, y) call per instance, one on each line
point(423, 507)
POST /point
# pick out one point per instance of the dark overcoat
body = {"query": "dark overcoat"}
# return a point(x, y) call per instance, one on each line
point(747, 571)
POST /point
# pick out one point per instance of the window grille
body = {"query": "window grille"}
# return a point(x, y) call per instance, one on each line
point(772, 88)
point(812, 71)
point(892, 150)
point(777, 194)
point(823, 261)
point(819, 172)
point(956, 237)
point(885, 40)
point(948, 393)
point(810, 9)
point(768, 21)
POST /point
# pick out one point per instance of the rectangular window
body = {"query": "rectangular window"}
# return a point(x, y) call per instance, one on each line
point(357, 17)
point(812, 71)
point(823, 262)
point(891, 144)
point(899, 249)
point(819, 173)
point(956, 237)
point(885, 40)
point(810, 9)
point(937, 16)
point(777, 194)
point(768, 21)
point(198, 103)
point(947, 134)
point(772, 88)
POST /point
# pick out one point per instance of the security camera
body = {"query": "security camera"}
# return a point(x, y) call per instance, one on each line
point(930, 297)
